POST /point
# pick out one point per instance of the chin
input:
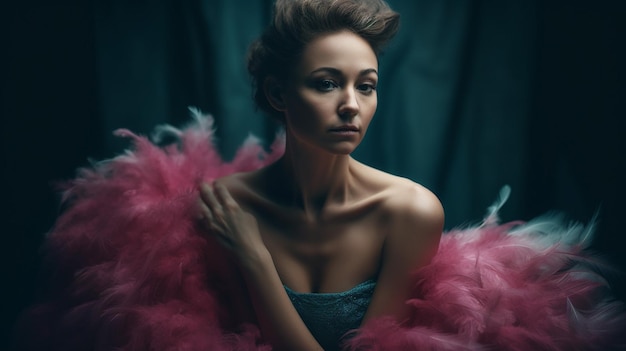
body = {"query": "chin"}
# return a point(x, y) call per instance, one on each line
point(342, 150)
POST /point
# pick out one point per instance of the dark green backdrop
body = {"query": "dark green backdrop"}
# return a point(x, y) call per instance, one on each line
point(473, 95)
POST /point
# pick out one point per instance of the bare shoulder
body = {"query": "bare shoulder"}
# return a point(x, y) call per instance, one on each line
point(402, 197)
point(413, 216)
point(413, 202)
point(413, 219)
point(233, 180)
point(413, 223)
point(240, 185)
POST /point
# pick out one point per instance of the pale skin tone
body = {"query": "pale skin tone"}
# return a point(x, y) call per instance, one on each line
point(317, 220)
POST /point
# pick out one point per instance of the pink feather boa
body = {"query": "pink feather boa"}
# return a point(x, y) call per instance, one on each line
point(129, 270)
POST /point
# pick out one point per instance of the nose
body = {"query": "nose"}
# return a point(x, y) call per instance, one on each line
point(348, 105)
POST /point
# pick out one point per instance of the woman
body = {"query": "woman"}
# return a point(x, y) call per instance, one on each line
point(294, 250)
point(317, 220)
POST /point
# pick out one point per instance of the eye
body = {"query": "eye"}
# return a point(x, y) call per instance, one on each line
point(325, 85)
point(366, 88)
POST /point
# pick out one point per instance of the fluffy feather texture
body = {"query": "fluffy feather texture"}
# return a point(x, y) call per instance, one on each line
point(129, 270)
point(497, 287)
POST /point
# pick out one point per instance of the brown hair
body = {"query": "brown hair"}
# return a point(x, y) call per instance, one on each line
point(298, 22)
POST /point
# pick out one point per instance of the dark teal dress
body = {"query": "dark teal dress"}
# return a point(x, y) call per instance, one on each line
point(329, 316)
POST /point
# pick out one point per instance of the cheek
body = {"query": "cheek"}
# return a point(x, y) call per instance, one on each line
point(309, 108)
point(368, 109)
point(300, 118)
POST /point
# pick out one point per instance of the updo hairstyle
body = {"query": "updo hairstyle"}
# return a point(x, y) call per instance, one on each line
point(297, 22)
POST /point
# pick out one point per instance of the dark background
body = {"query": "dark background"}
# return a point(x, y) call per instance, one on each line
point(473, 95)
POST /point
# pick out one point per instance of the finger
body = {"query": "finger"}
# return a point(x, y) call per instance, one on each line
point(218, 234)
point(203, 211)
point(212, 202)
point(224, 197)
point(207, 219)
point(202, 192)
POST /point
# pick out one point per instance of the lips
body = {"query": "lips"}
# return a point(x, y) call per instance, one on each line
point(345, 128)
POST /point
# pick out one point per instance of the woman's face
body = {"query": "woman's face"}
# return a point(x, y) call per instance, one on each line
point(331, 97)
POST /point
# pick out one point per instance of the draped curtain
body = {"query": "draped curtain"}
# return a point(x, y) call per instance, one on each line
point(455, 87)
point(473, 95)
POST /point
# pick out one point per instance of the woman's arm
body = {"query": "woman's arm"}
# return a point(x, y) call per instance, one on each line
point(238, 230)
point(415, 229)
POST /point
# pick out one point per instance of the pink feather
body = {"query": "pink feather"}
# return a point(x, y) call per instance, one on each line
point(129, 270)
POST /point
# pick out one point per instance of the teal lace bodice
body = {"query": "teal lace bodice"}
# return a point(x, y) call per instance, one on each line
point(329, 316)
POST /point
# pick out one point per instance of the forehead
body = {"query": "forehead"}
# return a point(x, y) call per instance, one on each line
point(343, 50)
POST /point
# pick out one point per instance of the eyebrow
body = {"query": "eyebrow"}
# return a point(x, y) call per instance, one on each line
point(335, 71)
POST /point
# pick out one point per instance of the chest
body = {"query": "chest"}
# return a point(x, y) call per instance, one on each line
point(324, 255)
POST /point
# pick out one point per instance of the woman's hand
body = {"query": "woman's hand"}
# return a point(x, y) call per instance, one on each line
point(238, 230)
point(234, 228)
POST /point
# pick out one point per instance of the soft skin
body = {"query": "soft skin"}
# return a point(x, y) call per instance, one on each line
point(317, 220)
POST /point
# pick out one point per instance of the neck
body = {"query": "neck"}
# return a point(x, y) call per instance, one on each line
point(313, 179)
